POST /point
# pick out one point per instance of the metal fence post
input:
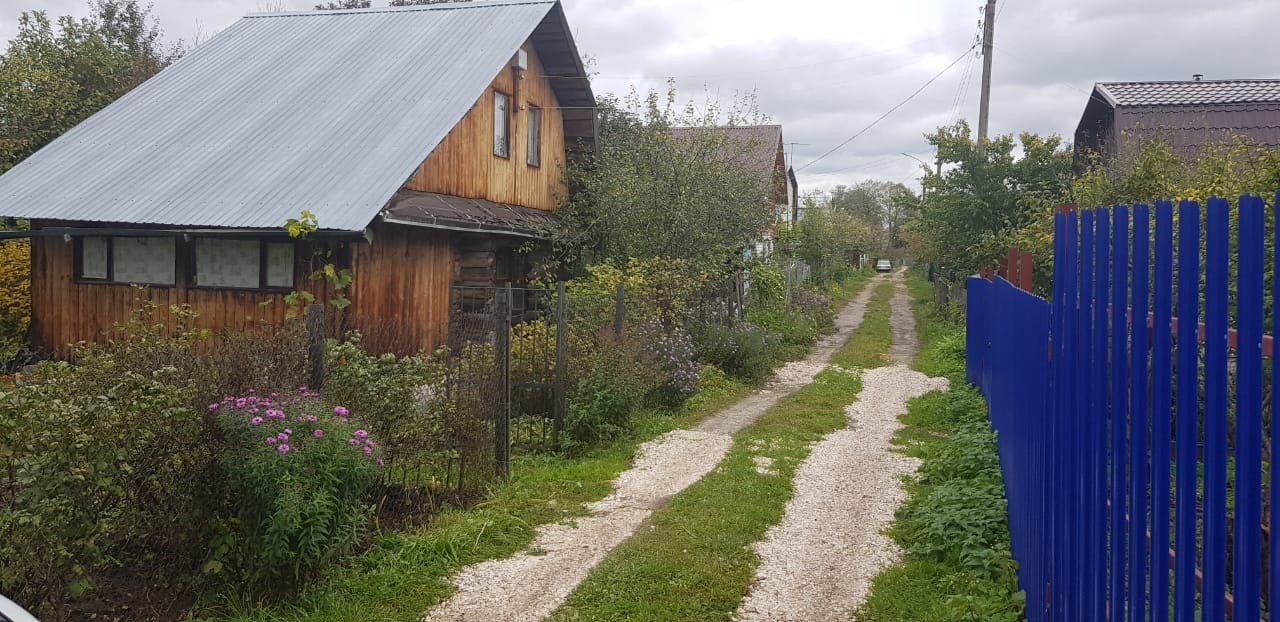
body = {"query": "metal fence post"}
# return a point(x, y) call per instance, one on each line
point(619, 308)
point(502, 369)
point(315, 345)
point(562, 360)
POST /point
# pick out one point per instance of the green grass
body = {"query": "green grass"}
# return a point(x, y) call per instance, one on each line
point(405, 573)
point(692, 559)
point(870, 343)
point(936, 587)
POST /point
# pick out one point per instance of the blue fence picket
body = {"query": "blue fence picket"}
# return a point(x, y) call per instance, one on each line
point(1214, 562)
point(1247, 573)
point(1138, 451)
point(1187, 415)
point(1117, 456)
point(1161, 409)
point(1119, 406)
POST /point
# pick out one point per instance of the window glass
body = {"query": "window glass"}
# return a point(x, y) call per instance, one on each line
point(280, 264)
point(228, 263)
point(93, 258)
point(535, 129)
point(501, 124)
point(144, 260)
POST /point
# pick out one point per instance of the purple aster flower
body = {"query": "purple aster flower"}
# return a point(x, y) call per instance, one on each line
point(311, 418)
point(213, 407)
point(284, 449)
point(288, 431)
point(241, 402)
point(360, 434)
point(272, 440)
point(340, 411)
point(300, 419)
point(319, 432)
point(353, 442)
point(256, 421)
point(368, 450)
point(379, 461)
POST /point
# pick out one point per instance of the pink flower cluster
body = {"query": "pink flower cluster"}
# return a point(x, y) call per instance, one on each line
point(263, 411)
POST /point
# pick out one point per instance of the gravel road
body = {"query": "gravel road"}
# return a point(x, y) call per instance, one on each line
point(817, 564)
point(530, 585)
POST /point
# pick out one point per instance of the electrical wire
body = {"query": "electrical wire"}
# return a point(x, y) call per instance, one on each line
point(888, 112)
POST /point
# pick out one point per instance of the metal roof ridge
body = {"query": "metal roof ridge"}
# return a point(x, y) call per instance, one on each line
point(443, 6)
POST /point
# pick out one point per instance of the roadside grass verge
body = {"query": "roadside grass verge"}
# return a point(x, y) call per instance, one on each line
point(405, 573)
point(692, 559)
point(953, 528)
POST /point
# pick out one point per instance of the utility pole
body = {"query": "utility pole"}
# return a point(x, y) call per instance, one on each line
point(988, 41)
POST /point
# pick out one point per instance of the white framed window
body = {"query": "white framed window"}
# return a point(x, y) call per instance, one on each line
point(146, 261)
point(535, 136)
point(501, 124)
point(243, 264)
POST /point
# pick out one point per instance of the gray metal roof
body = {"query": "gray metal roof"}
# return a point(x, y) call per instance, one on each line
point(326, 111)
point(1193, 92)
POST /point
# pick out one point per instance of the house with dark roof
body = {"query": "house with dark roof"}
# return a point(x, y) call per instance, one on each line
point(1188, 113)
point(758, 149)
point(429, 142)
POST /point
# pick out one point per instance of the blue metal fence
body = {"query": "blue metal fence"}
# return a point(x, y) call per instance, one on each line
point(1136, 448)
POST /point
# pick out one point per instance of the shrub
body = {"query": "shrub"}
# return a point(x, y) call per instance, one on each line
point(298, 473)
point(657, 287)
point(744, 350)
point(616, 377)
point(99, 468)
point(768, 284)
point(960, 521)
point(971, 454)
point(671, 352)
point(792, 327)
point(402, 399)
point(15, 295)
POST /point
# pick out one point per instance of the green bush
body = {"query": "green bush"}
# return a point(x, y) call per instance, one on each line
point(97, 469)
point(657, 287)
point(402, 399)
point(298, 473)
point(768, 284)
point(792, 327)
point(744, 350)
point(959, 521)
point(617, 376)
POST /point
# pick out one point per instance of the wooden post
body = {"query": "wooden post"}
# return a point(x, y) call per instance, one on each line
point(315, 344)
point(502, 371)
point(1025, 270)
point(619, 308)
point(562, 360)
point(1013, 269)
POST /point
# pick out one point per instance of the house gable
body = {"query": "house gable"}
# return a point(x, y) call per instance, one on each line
point(464, 163)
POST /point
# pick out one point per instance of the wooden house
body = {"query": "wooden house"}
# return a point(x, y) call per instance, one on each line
point(429, 142)
point(1188, 113)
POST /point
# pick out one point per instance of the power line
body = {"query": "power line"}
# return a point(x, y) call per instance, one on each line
point(889, 112)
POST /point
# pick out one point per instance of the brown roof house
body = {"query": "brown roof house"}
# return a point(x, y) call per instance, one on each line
point(428, 141)
point(759, 150)
point(1188, 113)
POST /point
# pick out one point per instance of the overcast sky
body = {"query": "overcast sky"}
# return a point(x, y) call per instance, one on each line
point(825, 69)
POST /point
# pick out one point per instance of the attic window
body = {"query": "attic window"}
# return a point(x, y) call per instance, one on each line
point(501, 124)
point(535, 131)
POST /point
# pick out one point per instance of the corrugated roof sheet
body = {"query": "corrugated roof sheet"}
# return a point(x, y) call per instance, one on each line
point(326, 111)
point(1189, 92)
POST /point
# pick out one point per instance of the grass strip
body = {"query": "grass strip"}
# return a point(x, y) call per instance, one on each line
point(869, 344)
point(957, 564)
point(692, 559)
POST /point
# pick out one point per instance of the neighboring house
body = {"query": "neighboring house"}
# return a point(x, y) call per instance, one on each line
point(759, 150)
point(429, 142)
point(1189, 113)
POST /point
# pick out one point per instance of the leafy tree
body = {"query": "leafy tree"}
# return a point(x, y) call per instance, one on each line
point(829, 239)
point(649, 193)
point(55, 74)
point(964, 221)
point(344, 4)
point(421, 2)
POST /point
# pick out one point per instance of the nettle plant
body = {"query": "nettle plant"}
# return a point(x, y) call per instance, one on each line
point(298, 472)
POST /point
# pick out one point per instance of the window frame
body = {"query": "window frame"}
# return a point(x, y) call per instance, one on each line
point(506, 125)
point(194, 272)
point(533, 136)
point(78, 262)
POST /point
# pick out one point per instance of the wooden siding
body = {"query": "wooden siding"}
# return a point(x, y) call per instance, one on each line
point(65, 311)
point(400, 294)
point(464, 165)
